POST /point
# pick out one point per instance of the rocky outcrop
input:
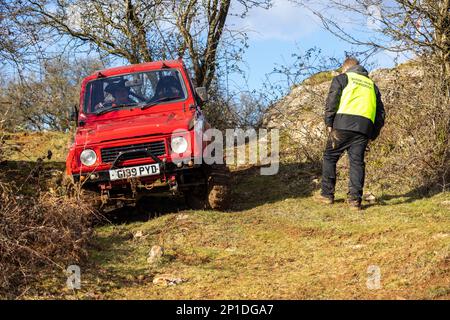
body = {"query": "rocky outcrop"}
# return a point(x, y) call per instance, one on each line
point(301, 111)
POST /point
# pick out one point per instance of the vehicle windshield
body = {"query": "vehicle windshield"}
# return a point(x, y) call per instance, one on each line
point(133, 90)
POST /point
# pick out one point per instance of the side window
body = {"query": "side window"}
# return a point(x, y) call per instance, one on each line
point(87, 98)
point(94, 94)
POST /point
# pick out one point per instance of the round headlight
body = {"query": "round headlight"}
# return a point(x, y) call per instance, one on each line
point(88, 157)
point(179, 144)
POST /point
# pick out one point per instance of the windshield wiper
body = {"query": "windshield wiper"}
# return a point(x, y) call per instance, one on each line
point(103, 111)
point(154, 103)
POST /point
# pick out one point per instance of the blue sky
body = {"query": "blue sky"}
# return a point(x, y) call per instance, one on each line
point(275, 34)
point(284, 29)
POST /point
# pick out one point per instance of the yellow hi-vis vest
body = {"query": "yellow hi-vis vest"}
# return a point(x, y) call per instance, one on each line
point(359, 97)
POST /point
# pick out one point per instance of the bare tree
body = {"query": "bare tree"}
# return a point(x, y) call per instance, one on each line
point(44, 101)
point(144, 31)
point(421, 27)
point(17, 37)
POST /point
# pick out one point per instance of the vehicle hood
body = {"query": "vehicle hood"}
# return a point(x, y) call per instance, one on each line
point(132, 127)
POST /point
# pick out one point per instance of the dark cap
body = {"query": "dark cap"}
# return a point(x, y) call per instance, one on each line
point(114, 86)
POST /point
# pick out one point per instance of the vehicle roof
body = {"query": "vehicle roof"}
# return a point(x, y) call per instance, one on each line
point(135, 68)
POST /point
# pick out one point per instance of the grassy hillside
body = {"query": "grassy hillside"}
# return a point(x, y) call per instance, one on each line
point(275, 243)
point(285, 247)
point(33, 160)
point(412, 151)
point(29, 146)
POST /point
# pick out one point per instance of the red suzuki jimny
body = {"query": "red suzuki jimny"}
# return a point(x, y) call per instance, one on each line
point(136, 133)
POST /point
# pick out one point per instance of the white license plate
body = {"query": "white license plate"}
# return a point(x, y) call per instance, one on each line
point(133, 172)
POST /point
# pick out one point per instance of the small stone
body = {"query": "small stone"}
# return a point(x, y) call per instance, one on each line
point(91, 295)
point(155, 254)
point(182, 216)
point(441, 235)
point(357, 246)
point(139, 235)
point(370, 198)
point(446, 203)
point(167, 280)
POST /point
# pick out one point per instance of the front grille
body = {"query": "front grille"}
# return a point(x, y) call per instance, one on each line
point(158, 148)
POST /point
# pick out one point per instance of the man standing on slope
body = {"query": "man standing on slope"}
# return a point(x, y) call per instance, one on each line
point(354, 114)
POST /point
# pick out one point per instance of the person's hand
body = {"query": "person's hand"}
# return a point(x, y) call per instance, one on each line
point(329, 129)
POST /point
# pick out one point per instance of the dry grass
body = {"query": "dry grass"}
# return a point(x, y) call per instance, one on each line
point(320, 77)
point(39, 235)
point(413, 150)
point(28, 146)
point(41, 230)
point(278, 245)
point(275, 243)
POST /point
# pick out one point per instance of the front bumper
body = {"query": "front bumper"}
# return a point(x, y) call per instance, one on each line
point(168, 171)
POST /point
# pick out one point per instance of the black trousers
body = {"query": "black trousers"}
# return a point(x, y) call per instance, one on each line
point(355, 144)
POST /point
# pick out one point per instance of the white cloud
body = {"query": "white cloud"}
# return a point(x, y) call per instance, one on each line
point(284, 21)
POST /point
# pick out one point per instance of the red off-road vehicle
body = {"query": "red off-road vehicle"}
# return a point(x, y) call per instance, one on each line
point(137, 132)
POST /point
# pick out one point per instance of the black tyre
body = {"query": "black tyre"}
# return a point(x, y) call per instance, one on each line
point(216, 194)
point(196, 198)
point(219, 187)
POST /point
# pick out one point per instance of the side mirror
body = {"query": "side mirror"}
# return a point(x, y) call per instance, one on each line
point(202, 93)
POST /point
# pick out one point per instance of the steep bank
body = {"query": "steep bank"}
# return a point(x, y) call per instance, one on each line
point(409, 154)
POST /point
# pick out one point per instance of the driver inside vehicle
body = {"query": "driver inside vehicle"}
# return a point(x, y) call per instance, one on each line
point(120, 93)
point(115, 94)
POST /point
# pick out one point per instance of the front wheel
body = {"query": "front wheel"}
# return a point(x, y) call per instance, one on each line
point(217, 192)
point(219, 187)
